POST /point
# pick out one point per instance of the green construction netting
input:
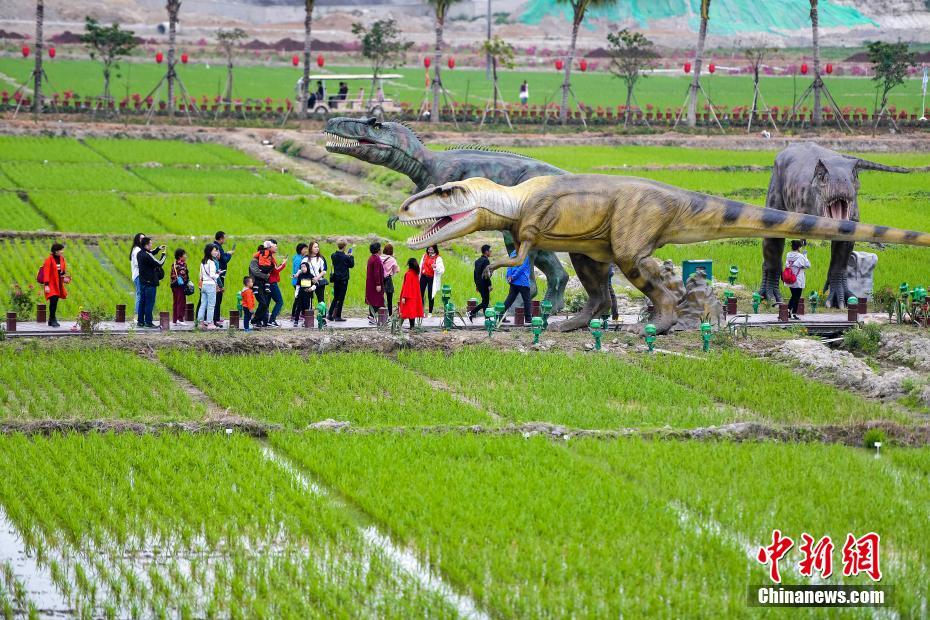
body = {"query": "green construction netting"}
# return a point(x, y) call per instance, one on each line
point(727, 17)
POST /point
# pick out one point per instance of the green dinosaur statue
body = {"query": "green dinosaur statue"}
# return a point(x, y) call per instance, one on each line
point(606, 219)
point(395, 146)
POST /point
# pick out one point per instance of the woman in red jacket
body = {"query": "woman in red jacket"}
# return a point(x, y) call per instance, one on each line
point(55, 276)
point(411, 303)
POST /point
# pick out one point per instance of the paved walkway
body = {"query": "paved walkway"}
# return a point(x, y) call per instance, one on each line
point(70, 328)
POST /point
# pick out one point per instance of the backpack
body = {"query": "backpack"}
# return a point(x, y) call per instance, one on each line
point(40, 276)
point(788, 276)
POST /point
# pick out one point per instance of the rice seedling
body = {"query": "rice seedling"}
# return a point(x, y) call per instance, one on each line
point(576, 390)
point(220, 181)
point(93, 212)
point(773, 392)
point(17, 214)
point(362, 388)
point(75, 177)
point(267, 546)
point(42, 148)
point(98, 383)
point(167, 152)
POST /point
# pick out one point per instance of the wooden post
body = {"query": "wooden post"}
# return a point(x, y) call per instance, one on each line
point(41, 314)
point(233, 319)
point(783, 312)
point(120, 313)
point(382, 316)
point(308, 319)
point(801, 307)
point(731, 305)
point(518, 314)
point(189, 312)
point(535, 308)
point(863, 305)
point(852, 313)
point(164, 321)
point(11, 321)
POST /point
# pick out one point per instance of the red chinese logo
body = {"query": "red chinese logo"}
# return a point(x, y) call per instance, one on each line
point(817, 557)
point(773, 553)
point(860, 555)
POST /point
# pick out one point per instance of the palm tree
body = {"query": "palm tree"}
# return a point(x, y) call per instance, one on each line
point(579, 8)
point(815, 25)
point(37, 72)
point(305, 81)
point(698, 59)
point(173, 6)
point(441, 7)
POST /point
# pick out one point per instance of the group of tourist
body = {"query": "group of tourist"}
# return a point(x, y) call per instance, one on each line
point(310, 275)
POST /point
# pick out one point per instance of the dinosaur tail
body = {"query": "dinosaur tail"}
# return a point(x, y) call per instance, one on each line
point(719, 218)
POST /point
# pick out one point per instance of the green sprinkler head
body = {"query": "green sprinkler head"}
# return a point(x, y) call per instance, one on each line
point(545, 309)
point(650, 336)
point(537, 324)
point(320, 315)
point(756, 300)
point(446, 293)
point(734, 273)
point(449, 317)
point(852, 301)
point(706, 331)
point(490, 320)
point(596, 330)
point(903, 289)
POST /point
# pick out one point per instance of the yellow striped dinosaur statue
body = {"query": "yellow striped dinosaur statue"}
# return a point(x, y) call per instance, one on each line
point(601, 219)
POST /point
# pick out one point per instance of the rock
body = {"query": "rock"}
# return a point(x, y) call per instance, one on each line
point(859, 270)
point(698, 303)
point(329, 425)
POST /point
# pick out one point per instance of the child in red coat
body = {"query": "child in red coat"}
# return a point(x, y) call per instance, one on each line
point(411, 303)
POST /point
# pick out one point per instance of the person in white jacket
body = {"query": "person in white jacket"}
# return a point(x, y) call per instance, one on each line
point(209, 274)
point(431, 270)
point(798, 263)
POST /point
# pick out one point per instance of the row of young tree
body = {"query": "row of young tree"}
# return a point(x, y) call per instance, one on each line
point(632, 55)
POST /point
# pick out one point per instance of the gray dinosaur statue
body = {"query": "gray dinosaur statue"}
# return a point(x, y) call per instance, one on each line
point(395, 146)
point(810, 179)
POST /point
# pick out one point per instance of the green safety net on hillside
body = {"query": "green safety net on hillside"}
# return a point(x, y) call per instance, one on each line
point(727, 17)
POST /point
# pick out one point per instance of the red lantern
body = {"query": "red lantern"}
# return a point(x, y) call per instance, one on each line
point(452, 62)
point(184, 58)
point(51, 52)
point(427, 61)
point(583, 65)
point(711, 67)
point(319, 61)
point(829, 68)
point(25, 51)
point(687, 67)
point(159, 57)
point(559, 64)
point(804, 68)
point(295, 60)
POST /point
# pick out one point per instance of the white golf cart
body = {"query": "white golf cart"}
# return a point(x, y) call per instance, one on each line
point(374, 104)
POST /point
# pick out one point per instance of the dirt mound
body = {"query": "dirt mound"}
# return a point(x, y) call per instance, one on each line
point(10, 35)
point(845, 370)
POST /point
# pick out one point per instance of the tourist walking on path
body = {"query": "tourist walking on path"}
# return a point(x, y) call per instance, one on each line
point(342, 262)
point(797, 262)
point(209, 276)
point(431, 270)
point(300, 254)
point(482, 284)
point(54, 275)
point(180, 281)
point(390, 268)
point(318, 271)
point(247, 303)
point(260, 269)
point(411, 301)
point(134, 269)
point(222, 264)
point(524, 93)
point(305, 287)
point(374, 282)
point(519, 279)
point(273, 280)
point(151, 272)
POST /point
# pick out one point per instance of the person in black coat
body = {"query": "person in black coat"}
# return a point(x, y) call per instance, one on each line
point(482, 284)
point(151, 272)
point(341, 262)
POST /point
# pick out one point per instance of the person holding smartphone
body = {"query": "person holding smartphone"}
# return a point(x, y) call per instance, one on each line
point(222, 264)
point(342, 261)
point(151, 271)
point(798, 263)
point(209, 276)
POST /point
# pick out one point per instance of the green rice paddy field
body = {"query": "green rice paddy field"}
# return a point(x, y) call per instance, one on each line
point(438, 500)
point(392, 522)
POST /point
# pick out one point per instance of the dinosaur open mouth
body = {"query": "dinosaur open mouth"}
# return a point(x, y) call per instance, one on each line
point(838, 209)
point(336, 142)
point(438, 224)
